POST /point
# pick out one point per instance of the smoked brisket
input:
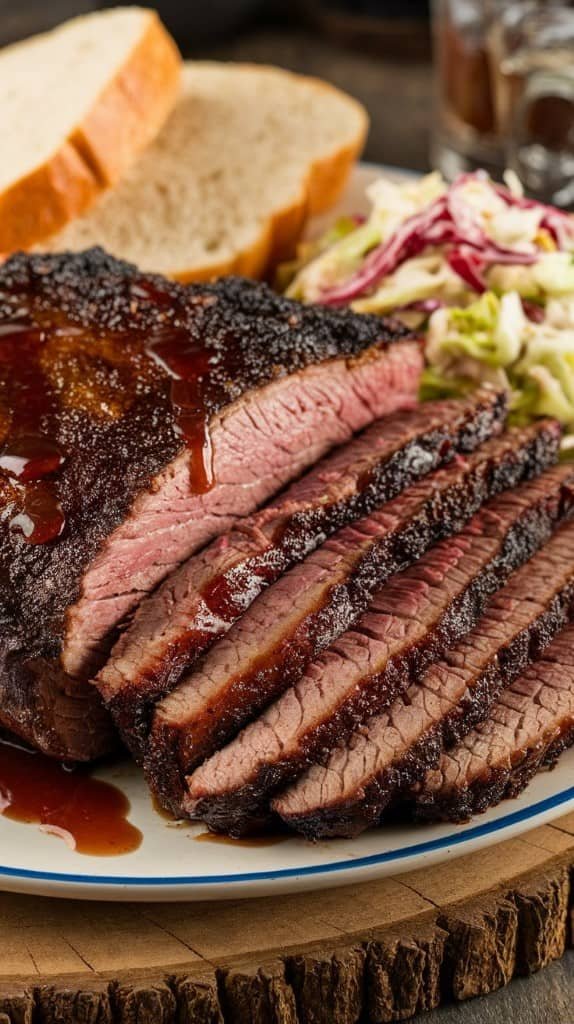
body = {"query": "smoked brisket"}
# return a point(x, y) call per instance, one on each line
point(141, 418)
point(527, 729)
point(291, 622)
point(409, 624)
point(393, 751)
point(200, 601)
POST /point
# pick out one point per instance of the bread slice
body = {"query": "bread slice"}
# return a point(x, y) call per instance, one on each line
point(249, 152)
point(78, 104)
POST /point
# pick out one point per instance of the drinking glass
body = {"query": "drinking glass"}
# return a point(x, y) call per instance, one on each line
point(466, 133)
point(533, 82)
point(505, 91)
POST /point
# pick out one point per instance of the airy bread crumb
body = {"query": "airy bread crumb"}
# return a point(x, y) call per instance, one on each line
point(249, 152)
point(78, 105)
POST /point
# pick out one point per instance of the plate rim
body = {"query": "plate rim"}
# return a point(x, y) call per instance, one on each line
point(353, 864)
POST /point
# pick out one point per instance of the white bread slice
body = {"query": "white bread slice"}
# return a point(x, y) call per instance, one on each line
point(78, 105)
point(249, 152)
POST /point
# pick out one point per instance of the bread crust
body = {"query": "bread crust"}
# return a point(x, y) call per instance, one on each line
point(124, 118)
point(322, 186)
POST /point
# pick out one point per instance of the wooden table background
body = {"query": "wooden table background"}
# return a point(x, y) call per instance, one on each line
point(545, 998)
point(378, 951)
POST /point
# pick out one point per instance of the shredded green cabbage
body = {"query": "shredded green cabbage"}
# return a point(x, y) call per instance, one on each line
point(334, 261)
point(552, 276)
point(536, 359)
point(424, 277)
point(435, 386)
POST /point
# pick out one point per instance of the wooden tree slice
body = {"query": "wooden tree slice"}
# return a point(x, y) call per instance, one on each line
point(376, 952)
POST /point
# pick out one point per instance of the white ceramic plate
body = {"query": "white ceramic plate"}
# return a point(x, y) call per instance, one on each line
point(172, 865)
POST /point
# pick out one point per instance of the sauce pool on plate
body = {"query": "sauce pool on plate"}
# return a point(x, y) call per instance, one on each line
point(247, 841)
point(90, 815)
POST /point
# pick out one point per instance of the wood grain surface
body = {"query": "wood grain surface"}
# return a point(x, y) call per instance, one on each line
point(378, 952)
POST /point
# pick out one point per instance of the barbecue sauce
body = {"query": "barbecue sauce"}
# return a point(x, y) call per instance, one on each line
point(90, 815)
point(225, 595)
point(188, 366)
point(29, 458)
point(246, 841)
point(30, 405)
point(129, 369)
point(40, 517)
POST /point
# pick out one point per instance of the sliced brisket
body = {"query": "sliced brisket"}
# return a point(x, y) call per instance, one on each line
point(409, 624)
point(122, 394)
point(529, 726)
point(290, 623)
point(199, 602)
point(394, 750)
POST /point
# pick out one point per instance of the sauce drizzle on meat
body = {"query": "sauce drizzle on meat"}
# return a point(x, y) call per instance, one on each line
point(28, 456)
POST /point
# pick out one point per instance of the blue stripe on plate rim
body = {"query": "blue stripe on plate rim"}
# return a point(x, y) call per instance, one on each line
point(430, 846)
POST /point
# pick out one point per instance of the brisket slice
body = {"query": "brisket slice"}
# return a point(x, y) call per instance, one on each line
point(115, 369)
point(200, 601)
point(290, 623)
point(393, 751)
point(50, 710)
point(529, 726)
point(409, 624)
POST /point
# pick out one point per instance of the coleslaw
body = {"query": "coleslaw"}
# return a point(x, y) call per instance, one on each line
point(485, 271)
